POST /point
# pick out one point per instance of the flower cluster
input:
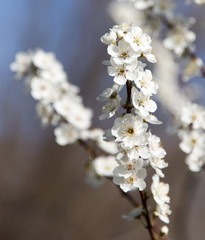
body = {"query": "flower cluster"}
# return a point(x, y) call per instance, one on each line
point(58, 100)
point(192, 135)
point(132, 43)
point(190, 117)
point(160, 19)
point(138, 148)
point(60, 105)
point(179, 37)
point(160, 192)
point(176, 37)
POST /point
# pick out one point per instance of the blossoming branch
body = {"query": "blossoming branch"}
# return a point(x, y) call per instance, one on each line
point(138, 148)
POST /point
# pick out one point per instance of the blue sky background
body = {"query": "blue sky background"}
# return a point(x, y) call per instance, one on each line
point(65, 27)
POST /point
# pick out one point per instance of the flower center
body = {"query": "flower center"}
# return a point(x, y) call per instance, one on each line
point(130, 167)
point(130, 131)
point(130, 180)
point(137, 40)
point(124, 55)
point(122, 71)
point(194, 141)
point(43, 87)
point(194, 117)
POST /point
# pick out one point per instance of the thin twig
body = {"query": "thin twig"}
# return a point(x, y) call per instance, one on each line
point(146, 214)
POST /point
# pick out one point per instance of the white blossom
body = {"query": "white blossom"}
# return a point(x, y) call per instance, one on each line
point(96, 134)
point(109, 93)
point(110, 108)
point(66, 134)
point(156, 149)
point(191, 140)
point(122, 54)
point(150, 118)
point(164, 230)
point(130, 130)
point(122, 73)
point(139, 151)
point(129, 173)
point(179, 39)
point(162, 211)
point(42, 89)
point(81, 117)
point(192, 69)
point(139, 41)
point(157, 164)
point(66, 105)
point(122, 29)
point(144, 104)
point(193, 114)
point(160, 190)
point(109, 38)
point(146, 84)
point(22, 64)
point(104, 166)
point(191, 134)
point(43, 60)
point(133, 182)
point(55, 74)
point(196, 160)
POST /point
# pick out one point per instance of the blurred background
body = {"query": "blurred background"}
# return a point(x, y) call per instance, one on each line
point(43, 194)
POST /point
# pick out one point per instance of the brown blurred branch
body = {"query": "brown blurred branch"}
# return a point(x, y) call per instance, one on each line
point(92, 153)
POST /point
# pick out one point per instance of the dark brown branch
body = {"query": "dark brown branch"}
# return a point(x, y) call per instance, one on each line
point(146, 214)
point(128, 102)
point(130, 198)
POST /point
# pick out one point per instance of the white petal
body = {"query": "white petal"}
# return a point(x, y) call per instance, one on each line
point(120, 80)
point(113, 50)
